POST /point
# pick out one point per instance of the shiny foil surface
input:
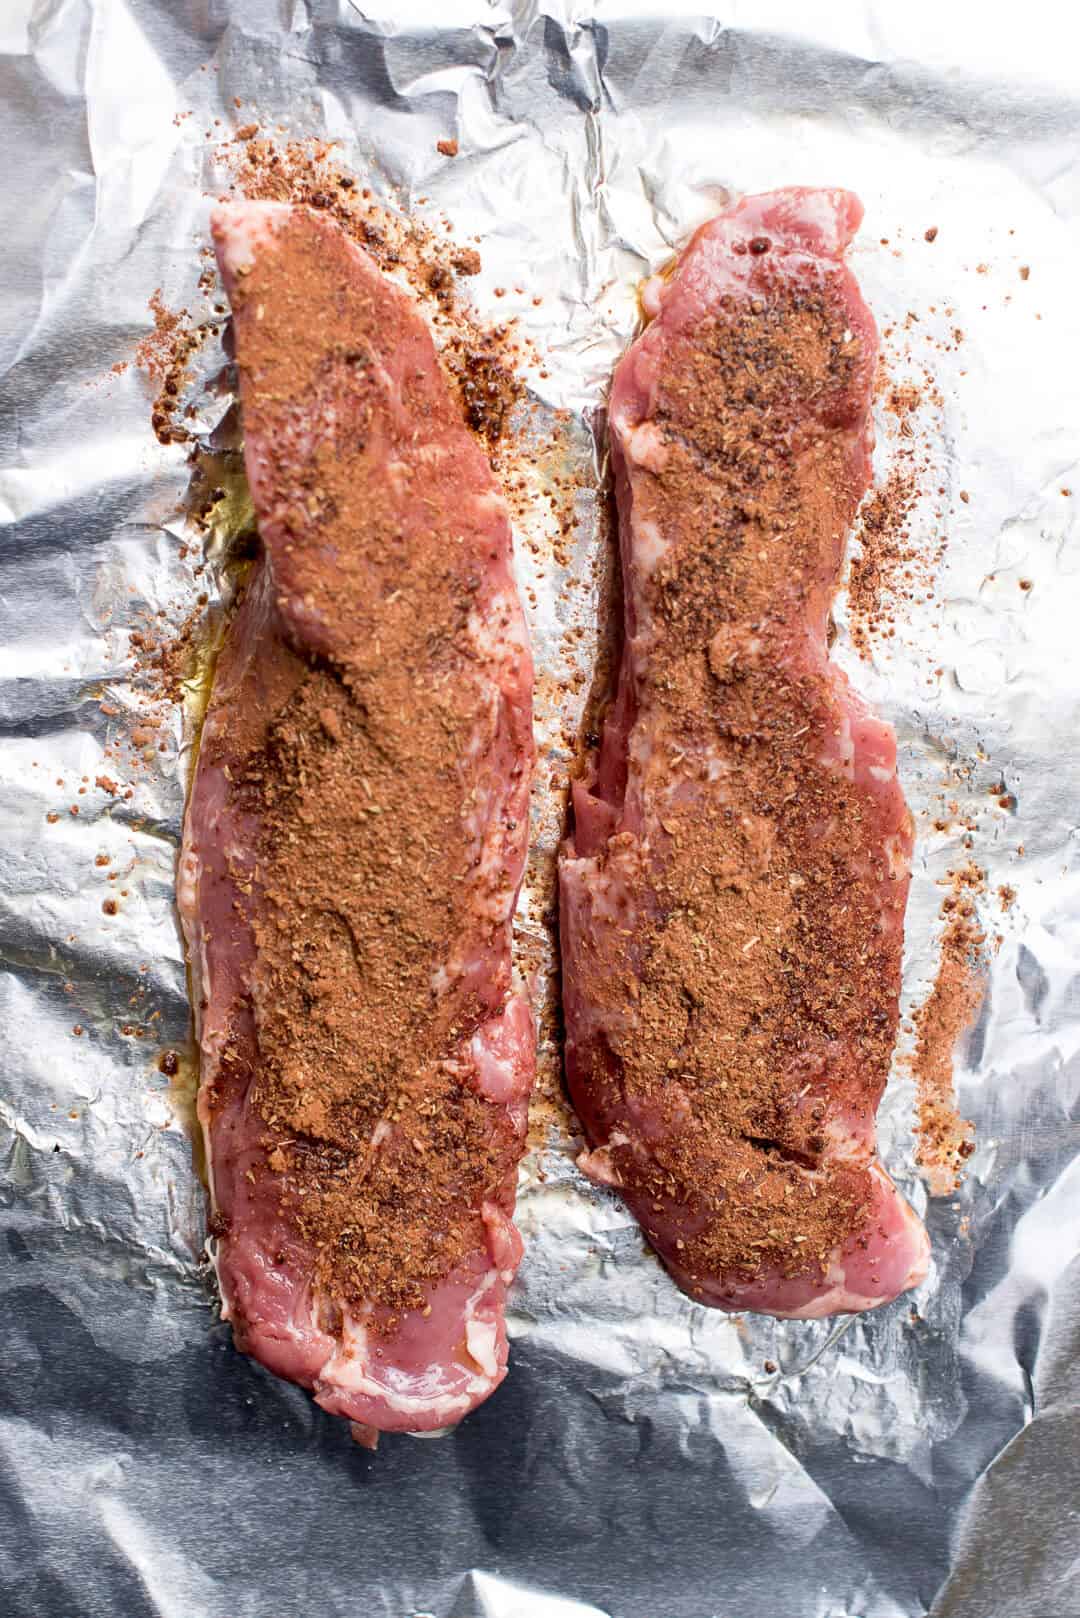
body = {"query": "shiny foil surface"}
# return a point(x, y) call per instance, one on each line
point(645, 1458)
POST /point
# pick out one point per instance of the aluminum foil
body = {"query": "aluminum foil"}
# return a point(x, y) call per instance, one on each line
point(645, 1458)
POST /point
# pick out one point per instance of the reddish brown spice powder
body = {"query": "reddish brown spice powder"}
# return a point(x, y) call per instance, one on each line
point(946, 1139)
point(718, 1032)
point(480, 359)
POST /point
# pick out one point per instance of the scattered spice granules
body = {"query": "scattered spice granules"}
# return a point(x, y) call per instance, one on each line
point(888, 569)
point(945, 1139)
point(165, 354)
point(480, 359)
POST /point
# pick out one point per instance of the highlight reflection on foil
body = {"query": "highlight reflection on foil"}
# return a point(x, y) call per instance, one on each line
point(645, 1456)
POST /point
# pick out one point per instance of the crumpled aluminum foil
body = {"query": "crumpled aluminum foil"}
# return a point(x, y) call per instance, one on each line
point(645, 1458)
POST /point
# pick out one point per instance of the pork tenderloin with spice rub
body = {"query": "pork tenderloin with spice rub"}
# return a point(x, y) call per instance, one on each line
point(354, 843)
point(732, 893)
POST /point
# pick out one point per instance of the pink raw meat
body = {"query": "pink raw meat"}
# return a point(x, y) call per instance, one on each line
point(353, 846)
point(732, 893)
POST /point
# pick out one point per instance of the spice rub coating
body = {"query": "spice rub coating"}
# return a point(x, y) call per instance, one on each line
point(732, 892)
point(354, 843)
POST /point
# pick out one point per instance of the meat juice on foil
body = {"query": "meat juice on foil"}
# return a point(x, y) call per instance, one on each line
point(645, 1456)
